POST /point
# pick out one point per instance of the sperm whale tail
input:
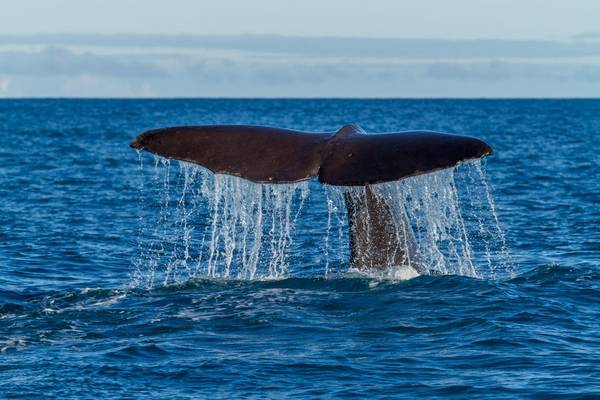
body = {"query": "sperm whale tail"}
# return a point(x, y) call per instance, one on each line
point(348, 157)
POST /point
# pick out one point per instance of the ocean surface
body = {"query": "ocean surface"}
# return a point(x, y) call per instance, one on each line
point(104, 292)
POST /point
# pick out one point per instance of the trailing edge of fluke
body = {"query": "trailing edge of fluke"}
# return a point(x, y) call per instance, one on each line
point(348, 157)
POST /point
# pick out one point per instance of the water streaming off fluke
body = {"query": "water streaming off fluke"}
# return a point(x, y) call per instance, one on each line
point(196, 224)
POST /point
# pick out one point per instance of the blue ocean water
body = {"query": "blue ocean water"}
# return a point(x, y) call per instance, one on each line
point(73, 323)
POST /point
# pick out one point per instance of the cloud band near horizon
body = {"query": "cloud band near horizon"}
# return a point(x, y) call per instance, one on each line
point(71, 65)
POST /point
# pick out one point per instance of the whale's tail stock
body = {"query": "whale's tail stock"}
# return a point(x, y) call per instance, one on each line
point(348, 157)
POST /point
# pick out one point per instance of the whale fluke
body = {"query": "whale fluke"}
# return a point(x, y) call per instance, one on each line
point(349, 157)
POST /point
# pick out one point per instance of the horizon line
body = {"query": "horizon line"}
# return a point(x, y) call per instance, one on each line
point(300, 98)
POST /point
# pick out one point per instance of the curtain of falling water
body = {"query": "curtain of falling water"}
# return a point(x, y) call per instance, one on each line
point(218, 226)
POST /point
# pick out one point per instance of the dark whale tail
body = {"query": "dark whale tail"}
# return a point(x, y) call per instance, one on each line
point(348, 157)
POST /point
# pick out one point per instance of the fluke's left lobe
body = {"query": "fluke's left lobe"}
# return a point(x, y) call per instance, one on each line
point(260, 154)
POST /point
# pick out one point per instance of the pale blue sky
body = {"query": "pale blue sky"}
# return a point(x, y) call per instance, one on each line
point(457, 19)
point(331, 48)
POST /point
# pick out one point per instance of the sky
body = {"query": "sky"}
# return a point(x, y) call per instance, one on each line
point(309, 48)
